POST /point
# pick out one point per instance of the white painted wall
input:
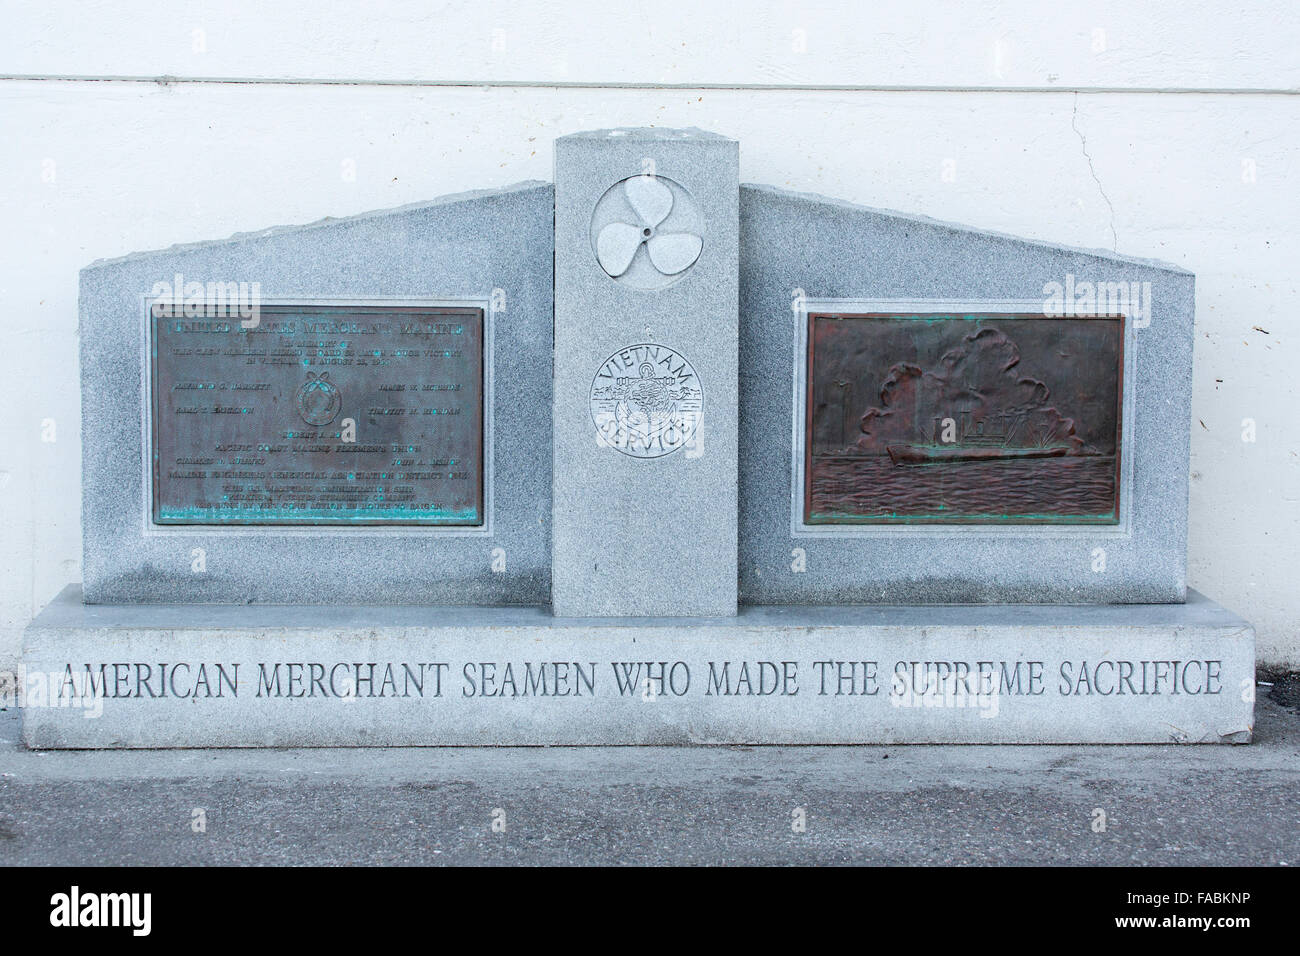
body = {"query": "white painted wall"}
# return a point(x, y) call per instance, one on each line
point(1169, 130)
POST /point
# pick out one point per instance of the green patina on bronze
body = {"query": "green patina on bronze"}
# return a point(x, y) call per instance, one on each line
point(316, 415)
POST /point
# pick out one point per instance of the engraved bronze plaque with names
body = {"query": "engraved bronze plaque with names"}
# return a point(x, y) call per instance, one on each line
point(317, 415)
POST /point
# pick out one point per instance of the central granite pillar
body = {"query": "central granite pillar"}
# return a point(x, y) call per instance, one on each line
point(645, 402)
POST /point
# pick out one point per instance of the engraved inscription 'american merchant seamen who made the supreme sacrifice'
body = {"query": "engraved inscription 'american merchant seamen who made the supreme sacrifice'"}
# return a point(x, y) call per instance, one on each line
point(318, 415)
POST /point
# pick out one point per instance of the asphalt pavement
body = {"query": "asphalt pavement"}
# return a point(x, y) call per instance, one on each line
point(1215, 805)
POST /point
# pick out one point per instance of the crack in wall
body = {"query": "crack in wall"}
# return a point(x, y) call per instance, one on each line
point(1083, 142)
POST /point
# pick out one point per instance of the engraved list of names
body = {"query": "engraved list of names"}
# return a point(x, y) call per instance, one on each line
point(318, 415)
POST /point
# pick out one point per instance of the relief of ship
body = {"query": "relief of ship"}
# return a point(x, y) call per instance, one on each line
point(996, 438)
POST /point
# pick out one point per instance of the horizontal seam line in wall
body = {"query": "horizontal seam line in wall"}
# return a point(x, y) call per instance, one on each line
point(165, 80)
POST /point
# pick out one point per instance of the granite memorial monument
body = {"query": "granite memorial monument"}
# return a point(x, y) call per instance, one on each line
point(643, 457)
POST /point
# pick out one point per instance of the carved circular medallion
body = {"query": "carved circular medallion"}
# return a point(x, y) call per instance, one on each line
point(647, 232)
point(646, 401)
point(318, 399)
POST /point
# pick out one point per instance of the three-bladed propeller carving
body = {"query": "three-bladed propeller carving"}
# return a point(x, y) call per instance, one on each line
point(669, 252)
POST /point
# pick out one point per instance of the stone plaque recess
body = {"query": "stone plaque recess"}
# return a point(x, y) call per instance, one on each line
point(317, 415)
point(1117, 537)
point(644, 413)
point(404, 477)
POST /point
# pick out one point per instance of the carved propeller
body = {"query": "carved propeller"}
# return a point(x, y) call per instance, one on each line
point(670, 252)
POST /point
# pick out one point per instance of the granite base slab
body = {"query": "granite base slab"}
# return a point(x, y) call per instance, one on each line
point(97, 676)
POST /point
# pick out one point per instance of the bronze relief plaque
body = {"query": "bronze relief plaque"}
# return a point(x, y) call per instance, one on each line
point(963, 419)
point(318, 415)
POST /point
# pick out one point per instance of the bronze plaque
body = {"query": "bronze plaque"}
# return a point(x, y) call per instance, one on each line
point(982, 418)
point(318, 415)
